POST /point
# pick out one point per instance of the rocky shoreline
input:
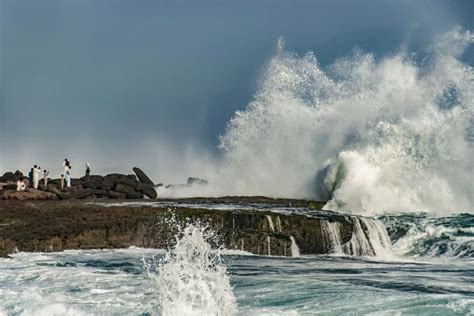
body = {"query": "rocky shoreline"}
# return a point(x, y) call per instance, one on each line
point(46, 226)
point(111, 186)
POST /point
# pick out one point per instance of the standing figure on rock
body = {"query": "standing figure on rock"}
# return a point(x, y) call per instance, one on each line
point(45, 178)
point(30, 176)
point(88, 171)
point(36, 176)
point(68, 177)
point(62, 181)
point(66, 165)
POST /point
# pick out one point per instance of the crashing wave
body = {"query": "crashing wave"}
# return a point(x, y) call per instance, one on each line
point(421, 235)
point(371, 135)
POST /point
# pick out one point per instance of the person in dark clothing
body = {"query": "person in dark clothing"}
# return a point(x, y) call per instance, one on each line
point(30, 176)
point(88, 171)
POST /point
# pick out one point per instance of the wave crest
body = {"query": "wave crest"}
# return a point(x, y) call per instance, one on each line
point(372, 136)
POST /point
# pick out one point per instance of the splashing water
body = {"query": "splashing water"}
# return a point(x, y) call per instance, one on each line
point(191, 279)
point(295, 250)
point(422, 235)
point(372, 136)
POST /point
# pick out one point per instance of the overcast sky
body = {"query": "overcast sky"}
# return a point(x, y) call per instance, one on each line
point(106, 81)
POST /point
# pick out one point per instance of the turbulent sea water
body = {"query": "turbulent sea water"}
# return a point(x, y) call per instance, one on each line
point(431, 273)
point(376, 136)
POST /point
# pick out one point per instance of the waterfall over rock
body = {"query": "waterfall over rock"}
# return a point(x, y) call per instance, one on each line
point(295, 250)
point(369, 238)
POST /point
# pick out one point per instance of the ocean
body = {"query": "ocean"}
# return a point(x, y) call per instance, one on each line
point(430, 272)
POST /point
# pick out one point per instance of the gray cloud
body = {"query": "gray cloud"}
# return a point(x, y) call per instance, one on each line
point(121, 82)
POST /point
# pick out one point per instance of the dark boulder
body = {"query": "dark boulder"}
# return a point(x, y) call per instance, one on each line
point(92, 184)
point(148, 190)
point(124, 188)
point(142, 176)
point(128, 182)
point(197, 181)
point(117, 195)
point(8, 177)
point(134, 195)
point(19, 174)
point(129, 192)
point(110, 181)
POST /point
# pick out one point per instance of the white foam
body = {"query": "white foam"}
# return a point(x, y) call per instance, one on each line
point(192, 281)
point(295, 250)
point(386, 135)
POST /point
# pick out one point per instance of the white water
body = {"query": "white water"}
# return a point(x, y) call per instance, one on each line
point(431, 236)
point(191, 279)
point(369, 238)
point(332, 234)
point(295, 250)
point(112, 282)
point(378, 135)
point(270, 223)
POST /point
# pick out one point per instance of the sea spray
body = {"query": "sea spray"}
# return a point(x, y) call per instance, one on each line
point(192, 280)
point(372, 135)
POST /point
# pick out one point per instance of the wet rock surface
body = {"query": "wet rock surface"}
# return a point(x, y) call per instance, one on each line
point(74, 224)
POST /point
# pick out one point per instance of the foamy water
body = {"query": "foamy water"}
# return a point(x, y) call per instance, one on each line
point(191, 280)
point(112, 282)
point(373, 135)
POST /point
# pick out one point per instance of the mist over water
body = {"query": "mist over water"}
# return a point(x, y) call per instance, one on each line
point(371, 135)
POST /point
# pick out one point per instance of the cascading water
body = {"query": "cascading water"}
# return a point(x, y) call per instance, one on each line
point(369, 238)
point(371, 135)
point(295, 250)
point(332, 235)
point(270, 223)
point(191, 279)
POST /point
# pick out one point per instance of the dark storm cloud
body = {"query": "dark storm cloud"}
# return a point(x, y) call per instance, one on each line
point(105, 78)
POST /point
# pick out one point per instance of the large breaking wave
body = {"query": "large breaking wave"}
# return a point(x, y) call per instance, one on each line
point(369, 135)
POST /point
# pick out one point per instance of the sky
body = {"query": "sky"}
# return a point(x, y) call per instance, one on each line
point(153, 83)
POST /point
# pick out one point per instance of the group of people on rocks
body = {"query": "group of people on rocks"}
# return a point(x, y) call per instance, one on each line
point(35, 175)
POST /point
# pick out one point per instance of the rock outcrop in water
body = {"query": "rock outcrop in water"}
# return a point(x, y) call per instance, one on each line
point(59, 225)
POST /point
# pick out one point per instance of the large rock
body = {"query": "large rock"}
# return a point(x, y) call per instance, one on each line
point(128, 182)
point(117, 195)
point(55, 226)
point(142, 176)
point(129, 192)
point(110, 181)
point(8, 177)
point(92, 184)
point(148, 190)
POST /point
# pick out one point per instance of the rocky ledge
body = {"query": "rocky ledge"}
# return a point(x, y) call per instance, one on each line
point(111, 186)
point(58, 225)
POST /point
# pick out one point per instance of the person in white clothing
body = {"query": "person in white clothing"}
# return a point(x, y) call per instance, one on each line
point(66, 165)
point(20, 186)
point(68, 177)
point(45, 178)
point(36, 176)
